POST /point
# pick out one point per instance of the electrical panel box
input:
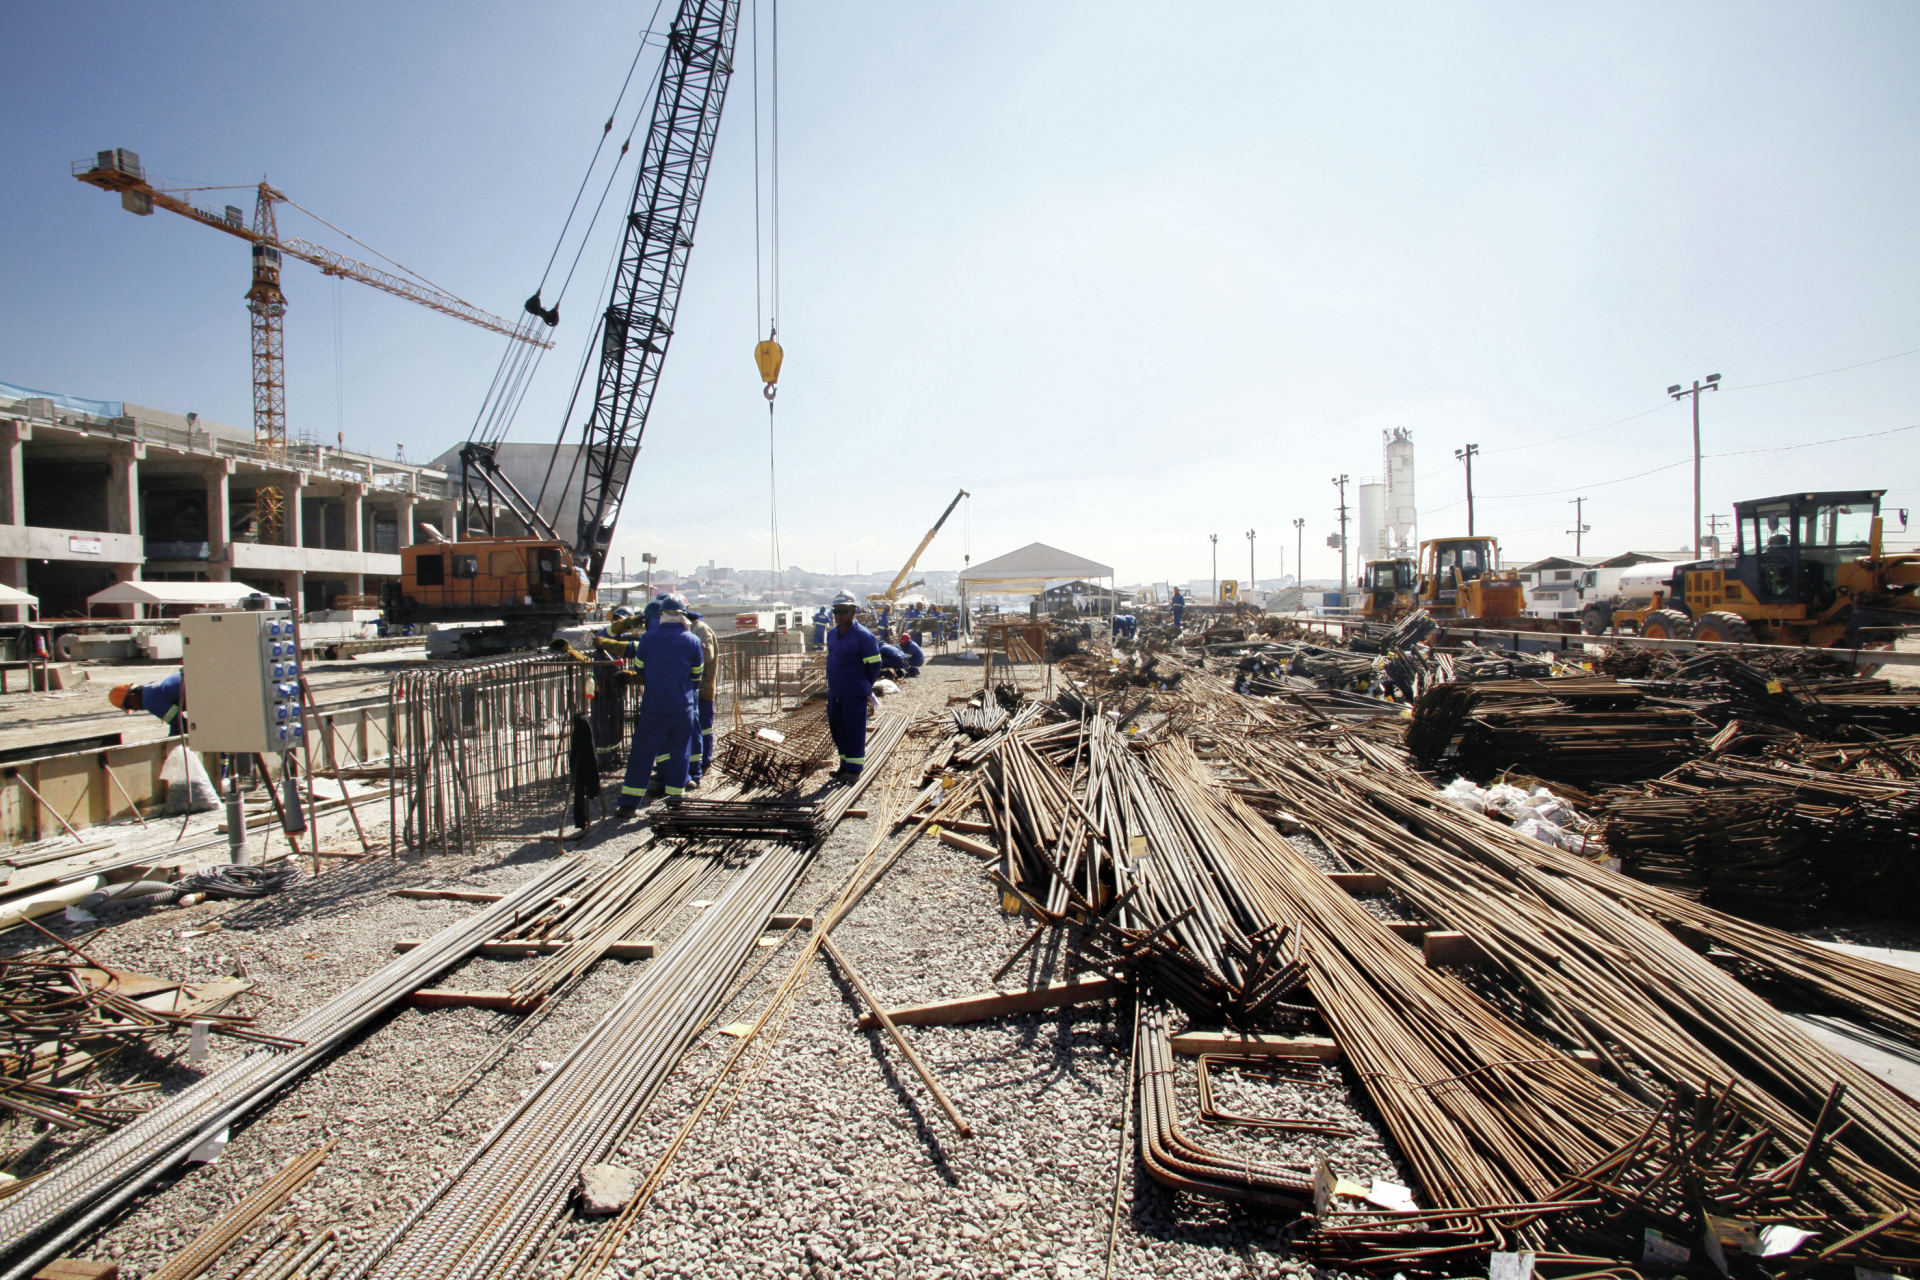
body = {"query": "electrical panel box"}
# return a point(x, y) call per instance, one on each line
point(242, 674)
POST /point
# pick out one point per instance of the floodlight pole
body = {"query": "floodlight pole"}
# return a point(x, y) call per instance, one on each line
point(1300, 555)
point(1215, 539)
point(1677, 392)
point(1251, 584)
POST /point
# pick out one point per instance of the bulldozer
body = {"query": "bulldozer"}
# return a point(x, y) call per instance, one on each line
point(1390, 590)
point(1806, 569)
point(1460, 578)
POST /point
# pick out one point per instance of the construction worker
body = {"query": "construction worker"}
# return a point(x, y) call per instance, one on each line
point(915, 654)
point(1179, 603)
point(820, 623)
point(702, 759)
point(162, 698)
point(671, 662)
point(853, 660)
point(893, 661)
point(885, 620)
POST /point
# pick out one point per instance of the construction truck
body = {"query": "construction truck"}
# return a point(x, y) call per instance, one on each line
point(1807, 569)
point(1390, 589)
point(533, 581)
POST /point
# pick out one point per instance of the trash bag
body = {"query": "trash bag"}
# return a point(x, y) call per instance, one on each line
point(189, 789)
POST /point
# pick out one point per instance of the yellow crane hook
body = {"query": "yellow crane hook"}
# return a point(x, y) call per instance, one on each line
point(767, 356)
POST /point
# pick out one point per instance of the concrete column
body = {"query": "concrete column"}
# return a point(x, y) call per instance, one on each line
point(220, 519)
point(13, 573)
point(14, 435)
point(354, 496)
point(123, 487)
point(296, 588)
point(128, 573)
point(450, 518)
point(404, 513)
point(291, 497)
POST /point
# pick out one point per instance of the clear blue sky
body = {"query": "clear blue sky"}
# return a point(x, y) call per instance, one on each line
point(1132, 274)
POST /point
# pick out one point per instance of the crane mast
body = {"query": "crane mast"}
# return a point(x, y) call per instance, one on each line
point(638, 322)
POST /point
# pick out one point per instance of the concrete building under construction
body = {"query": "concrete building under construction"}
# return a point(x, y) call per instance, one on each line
point(95, 492)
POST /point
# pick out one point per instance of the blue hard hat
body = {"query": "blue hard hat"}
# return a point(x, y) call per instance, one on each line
point(621, 611)
point(670, 600)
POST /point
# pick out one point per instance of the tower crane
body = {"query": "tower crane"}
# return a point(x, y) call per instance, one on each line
point(120, 170)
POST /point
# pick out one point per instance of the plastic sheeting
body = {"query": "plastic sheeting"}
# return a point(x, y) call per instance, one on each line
point(72, 404)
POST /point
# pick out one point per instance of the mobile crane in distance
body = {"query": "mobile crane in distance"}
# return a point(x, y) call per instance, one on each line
point(894, 589)
point(536, 585)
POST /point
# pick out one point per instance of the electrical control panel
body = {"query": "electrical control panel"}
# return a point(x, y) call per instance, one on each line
point(242, 675)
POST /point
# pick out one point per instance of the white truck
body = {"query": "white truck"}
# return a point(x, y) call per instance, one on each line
point(1596, 593)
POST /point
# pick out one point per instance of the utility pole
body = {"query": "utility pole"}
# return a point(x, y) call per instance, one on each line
point(1677, 392)
point(1714, 521)
point(1299, 555)
point(1252, 582)
point(1215, 539)
point(1466, 455)
point(1341, 481)
point(1579, 524)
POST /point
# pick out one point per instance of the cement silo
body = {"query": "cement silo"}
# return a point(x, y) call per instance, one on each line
point(1373, 502)
point(1400, 518)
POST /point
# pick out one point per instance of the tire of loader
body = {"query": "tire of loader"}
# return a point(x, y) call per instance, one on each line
point(1729, 628)
point(1667, 624)
point(1595, 622)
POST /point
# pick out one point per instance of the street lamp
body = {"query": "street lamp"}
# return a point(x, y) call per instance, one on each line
point(1299, 555)
point(1215, 539)
point(1252, 583)
point(1677, 392)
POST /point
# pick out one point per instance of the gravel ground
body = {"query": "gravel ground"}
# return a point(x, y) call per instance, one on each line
point(835, 1161)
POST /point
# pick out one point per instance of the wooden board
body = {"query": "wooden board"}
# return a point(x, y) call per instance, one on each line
point(996, 1004)
point(1359, 881)
point(1445, 946)
point(974, 847)
point(448, 895)
point(446, 998)
point(1254, 1044)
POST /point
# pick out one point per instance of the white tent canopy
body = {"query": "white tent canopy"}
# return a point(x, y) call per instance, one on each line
point(173, 593)
point(12, 596)
point(1030, 569)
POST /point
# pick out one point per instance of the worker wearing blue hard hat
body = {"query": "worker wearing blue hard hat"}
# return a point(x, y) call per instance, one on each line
point(853, 660)
point(821, 621)
point(671, 661)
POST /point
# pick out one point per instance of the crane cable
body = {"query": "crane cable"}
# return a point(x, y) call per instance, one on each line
point(768, 355)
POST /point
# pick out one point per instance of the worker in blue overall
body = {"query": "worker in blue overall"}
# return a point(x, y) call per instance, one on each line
point(885, 621)
point(702, 758)
point(893, 661)
point(1179, 603)
point(670, 660)
point(162, 698)
point(820, 623)
point(915, 654)
point(914, 614)
point(853, 660)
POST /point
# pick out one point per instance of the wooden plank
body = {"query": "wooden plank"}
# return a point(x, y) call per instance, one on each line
point(1359, 881)
point(997, 1004)
point(790, 922)
point(447, 998)
point(448, 895)
point(967, 825)
point(1411, 930)
point(1446, 946)
point(638, 950)
point(1254, 1044)
point(974, 847)
point(77, 1269)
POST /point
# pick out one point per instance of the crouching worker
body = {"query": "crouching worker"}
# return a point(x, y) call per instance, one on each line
point(161, 698)
point(670, 661)
point(910, 646)
point(893, 661)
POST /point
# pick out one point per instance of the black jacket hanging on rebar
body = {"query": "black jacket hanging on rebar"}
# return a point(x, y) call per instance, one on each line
point(585, 765)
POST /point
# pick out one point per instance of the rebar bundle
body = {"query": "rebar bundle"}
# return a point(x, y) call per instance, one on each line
point(1580, 730)
point(61, 1014)
point(778, 756)
point(37, 1221)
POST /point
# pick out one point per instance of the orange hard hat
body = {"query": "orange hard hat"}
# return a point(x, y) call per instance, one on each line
point(118, 696)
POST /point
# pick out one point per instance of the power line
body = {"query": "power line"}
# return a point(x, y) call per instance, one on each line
point(1749, 386)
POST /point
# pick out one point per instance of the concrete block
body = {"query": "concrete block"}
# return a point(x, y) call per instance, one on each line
point(607, 1189)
